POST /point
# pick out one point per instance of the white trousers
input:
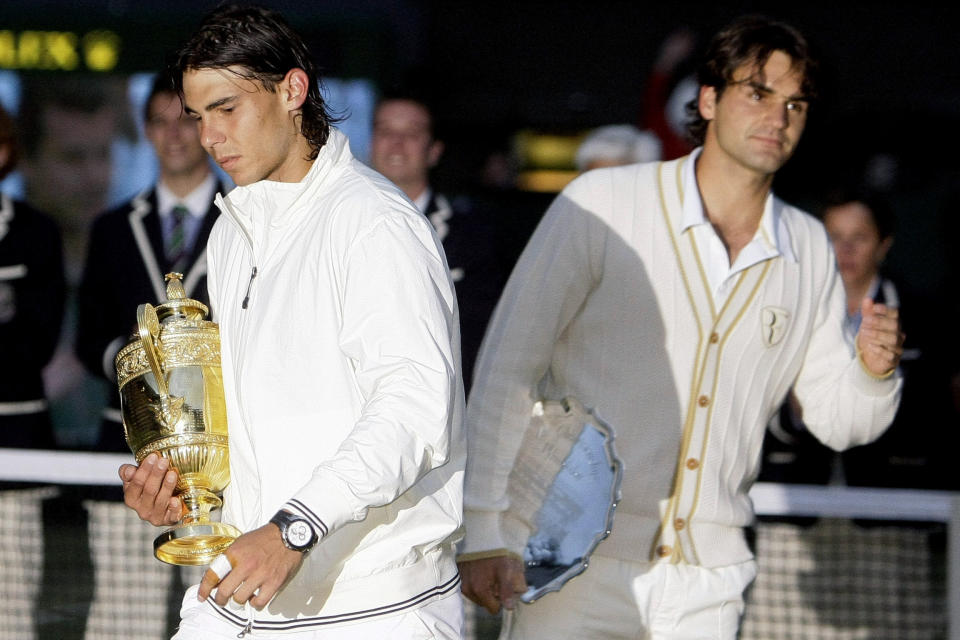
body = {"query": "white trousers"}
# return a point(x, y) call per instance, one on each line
point(615, 599)
point(438, 620)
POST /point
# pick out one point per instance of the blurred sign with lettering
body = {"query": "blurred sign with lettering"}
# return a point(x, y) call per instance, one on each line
point(97, 50)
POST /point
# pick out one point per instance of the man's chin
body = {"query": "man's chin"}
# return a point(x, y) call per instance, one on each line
point(770, 163)
point(241, 179)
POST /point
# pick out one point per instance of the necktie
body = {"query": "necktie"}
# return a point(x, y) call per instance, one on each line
point(177, 240)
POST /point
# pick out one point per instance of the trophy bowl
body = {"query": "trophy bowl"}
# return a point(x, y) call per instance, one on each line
point(172, 402)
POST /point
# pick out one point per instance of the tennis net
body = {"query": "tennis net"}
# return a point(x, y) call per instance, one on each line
point(834, 563)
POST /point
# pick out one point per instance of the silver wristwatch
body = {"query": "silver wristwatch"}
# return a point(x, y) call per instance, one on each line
point(295, 531)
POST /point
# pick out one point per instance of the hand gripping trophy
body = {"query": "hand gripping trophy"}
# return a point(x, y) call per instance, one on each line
point(171, 398)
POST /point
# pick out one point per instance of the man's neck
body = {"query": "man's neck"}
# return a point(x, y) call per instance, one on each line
point(414, 189)
point(857, 291)
point(733, 198)
point(183, 184)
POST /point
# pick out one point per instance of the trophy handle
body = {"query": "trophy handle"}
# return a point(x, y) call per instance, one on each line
point(149, 328)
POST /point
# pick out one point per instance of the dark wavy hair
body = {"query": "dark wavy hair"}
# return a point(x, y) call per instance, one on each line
point(162, 84)
point(881, 213)
point(261, 46)
point(420, 97)
point(748, 40)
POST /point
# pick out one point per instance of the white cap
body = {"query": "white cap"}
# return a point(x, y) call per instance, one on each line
point(618, 144)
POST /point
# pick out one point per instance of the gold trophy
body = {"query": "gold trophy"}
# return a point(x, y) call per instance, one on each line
point(171, 398)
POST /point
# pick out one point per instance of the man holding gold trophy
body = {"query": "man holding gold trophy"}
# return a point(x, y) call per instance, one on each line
point(339, 346)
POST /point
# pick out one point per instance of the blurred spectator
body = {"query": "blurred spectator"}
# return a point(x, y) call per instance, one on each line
point(69, 126)
point(404, 148)
point(67, 129)
point(615, 145)
point(861, 231)
point(132, 247)
point(668, 91)
point(31, 307)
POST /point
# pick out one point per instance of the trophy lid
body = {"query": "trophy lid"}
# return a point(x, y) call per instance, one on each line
point(178, 304)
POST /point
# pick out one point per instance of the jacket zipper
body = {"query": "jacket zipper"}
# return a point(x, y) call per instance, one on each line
point(248, 628)
point(227, 208)
point(246, 298)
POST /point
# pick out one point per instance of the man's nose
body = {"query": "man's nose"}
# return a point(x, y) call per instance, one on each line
point(779, 114)
point(209, 135)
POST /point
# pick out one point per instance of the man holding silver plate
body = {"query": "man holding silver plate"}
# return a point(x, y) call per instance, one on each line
point(339, 347)
point(681, 301)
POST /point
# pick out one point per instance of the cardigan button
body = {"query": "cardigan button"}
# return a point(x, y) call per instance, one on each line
point(692, 464)
point(703, 401)
point(664, 551)
point(714, 337)
point(679, 524)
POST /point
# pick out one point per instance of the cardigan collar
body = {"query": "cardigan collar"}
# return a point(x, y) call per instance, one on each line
point(772, 237)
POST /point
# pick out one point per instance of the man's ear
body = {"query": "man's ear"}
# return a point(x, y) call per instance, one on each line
point(882, 250)
point(434, 153)
point(707, 102)
point(294, 88)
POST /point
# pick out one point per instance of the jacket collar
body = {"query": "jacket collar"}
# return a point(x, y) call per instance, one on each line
point(276, 203)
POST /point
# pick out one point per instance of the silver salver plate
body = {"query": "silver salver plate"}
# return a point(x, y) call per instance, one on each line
point(563, 491)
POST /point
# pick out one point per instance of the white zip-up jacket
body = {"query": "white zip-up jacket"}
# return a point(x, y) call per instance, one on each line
point(340, 355)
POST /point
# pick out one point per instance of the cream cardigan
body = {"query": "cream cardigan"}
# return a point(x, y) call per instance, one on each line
point(609, 303)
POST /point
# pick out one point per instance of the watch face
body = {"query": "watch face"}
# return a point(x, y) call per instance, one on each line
point(299, 534)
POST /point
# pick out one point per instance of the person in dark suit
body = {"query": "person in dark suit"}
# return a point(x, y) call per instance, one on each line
point(32, 291)
point(404, 148)
point(132, 247)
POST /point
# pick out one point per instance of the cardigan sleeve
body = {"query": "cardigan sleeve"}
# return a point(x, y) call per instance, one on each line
point(843, 406)
point(552, 279)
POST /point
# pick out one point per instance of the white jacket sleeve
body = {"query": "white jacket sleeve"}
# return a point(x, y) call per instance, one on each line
point(397, 323)
point(843, 406)
point(554, 275)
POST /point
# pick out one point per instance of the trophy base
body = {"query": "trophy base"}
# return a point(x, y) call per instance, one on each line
point(194, 544)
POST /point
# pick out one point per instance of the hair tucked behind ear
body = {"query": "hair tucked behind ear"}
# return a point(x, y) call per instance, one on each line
point(259, 45)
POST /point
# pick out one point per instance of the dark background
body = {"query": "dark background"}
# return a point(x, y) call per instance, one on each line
point(891, 80)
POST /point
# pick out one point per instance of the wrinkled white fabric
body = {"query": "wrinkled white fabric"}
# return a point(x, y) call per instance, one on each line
point(343, 393)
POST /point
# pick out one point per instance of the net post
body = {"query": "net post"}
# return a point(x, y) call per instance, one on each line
point(953, 569)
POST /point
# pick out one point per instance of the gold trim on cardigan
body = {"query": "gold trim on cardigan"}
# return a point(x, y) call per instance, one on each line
point(708, 359)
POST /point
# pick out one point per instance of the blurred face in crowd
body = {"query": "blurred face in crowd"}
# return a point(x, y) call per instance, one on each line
point(68, 174)
point(856, 240)
point(251, 132)
point(757, 121)
point(174, 137)
point(403, 148)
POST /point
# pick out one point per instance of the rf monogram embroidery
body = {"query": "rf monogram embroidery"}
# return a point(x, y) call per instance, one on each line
point(774, 321)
